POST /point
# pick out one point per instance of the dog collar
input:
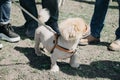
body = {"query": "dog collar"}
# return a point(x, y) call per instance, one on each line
point(60, 47)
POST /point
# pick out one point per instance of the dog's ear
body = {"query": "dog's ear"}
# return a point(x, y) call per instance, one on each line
point(71, 32)
point(73, 28)
point(86, 31)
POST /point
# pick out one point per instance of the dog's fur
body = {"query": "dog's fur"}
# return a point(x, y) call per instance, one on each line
point(71, 30)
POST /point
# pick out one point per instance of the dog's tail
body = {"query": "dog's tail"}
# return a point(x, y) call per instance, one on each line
point(44, 15)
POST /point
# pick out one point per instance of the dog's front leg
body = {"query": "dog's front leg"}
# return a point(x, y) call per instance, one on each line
point(73, 61)
point(54, 66)
point(37, 43)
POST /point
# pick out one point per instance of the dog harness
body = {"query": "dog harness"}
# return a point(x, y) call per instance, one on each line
point(60, 47)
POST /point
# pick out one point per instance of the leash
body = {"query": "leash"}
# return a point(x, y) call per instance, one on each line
point(60, 3)
point(27, 12)
point(39, 22)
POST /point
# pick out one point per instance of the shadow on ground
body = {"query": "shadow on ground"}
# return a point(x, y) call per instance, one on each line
point(37, 2)
point(21, 30)
point(86, 1)
point(97, 43)
point(39, 62)
point(101, 69)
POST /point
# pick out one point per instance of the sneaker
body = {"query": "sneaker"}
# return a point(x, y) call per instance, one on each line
point(7, 33)
point(115, 45)
point(1, 46)
point(89, 40)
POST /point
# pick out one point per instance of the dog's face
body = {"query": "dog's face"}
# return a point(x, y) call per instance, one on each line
point(73, 28)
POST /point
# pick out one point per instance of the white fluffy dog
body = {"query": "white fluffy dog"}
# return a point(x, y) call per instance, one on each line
point(62, 46)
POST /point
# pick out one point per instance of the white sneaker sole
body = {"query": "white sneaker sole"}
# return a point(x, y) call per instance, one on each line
point(115, 45)
point(4, 37)
point(1, 46)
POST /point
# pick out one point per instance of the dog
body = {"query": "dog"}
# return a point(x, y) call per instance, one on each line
point(62, 46)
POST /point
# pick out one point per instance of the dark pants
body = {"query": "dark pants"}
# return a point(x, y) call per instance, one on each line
point(51, 5)
point(97, 22)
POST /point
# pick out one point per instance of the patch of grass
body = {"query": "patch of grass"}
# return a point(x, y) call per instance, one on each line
point(1, 58)
point(3, 72)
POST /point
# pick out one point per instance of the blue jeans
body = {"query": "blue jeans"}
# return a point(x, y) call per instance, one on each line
point(51, 5)
point(97, 22)
point(5, 8)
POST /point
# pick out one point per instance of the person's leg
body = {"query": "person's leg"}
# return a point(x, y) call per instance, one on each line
point(5, 8)
point(118, 29)
point(6, 31)
point(1, 18)
point(97, 22)
point(115, 45)
point(30, 24)
point(52, 6)
point(98, 17)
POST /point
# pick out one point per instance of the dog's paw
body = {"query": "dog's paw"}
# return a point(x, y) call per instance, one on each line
point(54, 68)
point(38, 52)
point(75, 65)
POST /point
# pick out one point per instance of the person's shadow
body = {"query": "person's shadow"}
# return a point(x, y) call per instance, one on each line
point(97, 69)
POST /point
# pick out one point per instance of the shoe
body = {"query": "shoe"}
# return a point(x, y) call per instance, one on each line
point(30, 34)
point(30, 27)
point(89, 40)
point(7, 33)
point(1, 46)
point(115, 45)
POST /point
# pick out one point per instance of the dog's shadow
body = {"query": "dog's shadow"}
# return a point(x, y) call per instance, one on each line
point(39, 62)
point(97, 69)
point(100, 69)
